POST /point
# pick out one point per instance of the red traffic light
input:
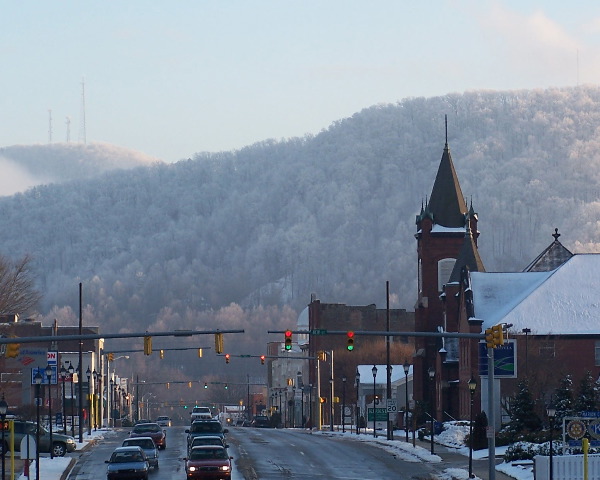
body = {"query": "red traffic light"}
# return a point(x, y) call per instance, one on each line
point(227, 356)
point(288, 339)
point(262, 359)
point(350, 343)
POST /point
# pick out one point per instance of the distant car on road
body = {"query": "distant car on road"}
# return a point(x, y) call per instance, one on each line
point(200, 413)
point(261, 421)
point(203, 428)
point(152, 430)
point(127, 463)
point(147, 445)
point(164, 421)
point(208, 462)
point(207, 440)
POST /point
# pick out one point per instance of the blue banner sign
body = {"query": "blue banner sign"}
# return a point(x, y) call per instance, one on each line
point(505, 360)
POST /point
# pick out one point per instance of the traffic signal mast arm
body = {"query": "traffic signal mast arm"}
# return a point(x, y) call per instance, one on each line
point(479, 336)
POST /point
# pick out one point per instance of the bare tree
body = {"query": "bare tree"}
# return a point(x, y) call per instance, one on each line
point(17, 292)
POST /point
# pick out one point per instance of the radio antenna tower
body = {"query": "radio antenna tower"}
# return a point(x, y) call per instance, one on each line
point(68, 122)
point(49, 126)
point(82, 133)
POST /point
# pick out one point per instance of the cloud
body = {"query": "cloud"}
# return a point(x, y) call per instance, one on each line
point(531, 41)
point(15, 178)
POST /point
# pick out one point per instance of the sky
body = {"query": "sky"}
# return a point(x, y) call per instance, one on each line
point(171, 79)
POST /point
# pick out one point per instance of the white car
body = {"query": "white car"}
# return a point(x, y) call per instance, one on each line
point(201, 413)
point(163, 421)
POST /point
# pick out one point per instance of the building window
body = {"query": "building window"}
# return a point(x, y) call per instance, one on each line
point(445, 267)
point(597, 353)
point(547, 350)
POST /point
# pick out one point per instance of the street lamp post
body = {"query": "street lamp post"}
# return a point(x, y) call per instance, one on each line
point(3, 410)
point(374, 372)
point(38, 381)
point(88, 373)
point(551, 411)
point(406, 367)
point(71, 374)
point(526, 331)
point(96, 399)
point(357, 378)
point(472, 386)
point(310, 405)
point(431, 372)
point(344, 404)
point(48, 372)
point(331, 403)
point(63, 376)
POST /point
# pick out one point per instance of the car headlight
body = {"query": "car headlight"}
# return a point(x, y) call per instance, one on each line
point(192, 469)
point(70, 440)
point(224, 468)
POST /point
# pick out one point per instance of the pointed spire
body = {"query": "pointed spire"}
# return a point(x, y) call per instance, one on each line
point(447, 203)
point(556, 234)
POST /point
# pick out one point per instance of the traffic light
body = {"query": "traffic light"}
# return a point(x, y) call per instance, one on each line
point(199, 353)
point(189, 384)
point(288, 339)
point(227, 356)
point(322, 399)
point(161, 354)
point(489, 338)
point(111, 357)
point(205, 385)
point(321, 355)
point(262, 359)
point(147, 345)
point(226, 386)
point(350, 341)
point(168, 385)
point(219, 343)
point(498, 335)
point(12, 350)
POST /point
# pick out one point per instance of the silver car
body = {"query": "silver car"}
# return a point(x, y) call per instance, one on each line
point(147, 445)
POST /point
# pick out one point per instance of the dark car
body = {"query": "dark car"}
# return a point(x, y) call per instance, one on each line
point(202, 440)
point(208, 462)
point(203, 428)
point(61, 444)
point(152, 430)
point(127, 463)
point(261, 421)
point(147, 445)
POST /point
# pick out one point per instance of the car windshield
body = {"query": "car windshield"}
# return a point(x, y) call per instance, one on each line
point(139, 443)
point(150, 427)
point(204, 454)
point(208, 427)
point(125, 457)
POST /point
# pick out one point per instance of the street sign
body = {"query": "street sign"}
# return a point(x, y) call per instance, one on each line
point(52, 358)
point(392, 406)
point(381, 415)
point(318, 331)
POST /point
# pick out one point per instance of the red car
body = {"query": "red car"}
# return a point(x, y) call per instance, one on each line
point(208, 462)
point(151, 430)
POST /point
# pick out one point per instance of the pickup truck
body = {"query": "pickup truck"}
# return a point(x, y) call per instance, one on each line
point(200, 413)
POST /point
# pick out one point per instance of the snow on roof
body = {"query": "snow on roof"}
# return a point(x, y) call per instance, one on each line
point(441, 229)
point(565, 301)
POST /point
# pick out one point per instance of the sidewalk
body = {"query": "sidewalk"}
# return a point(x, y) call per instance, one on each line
point(451, 459)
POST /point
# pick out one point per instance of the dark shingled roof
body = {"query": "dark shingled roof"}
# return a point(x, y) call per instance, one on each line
point(468, 256)
point(447, 203)
point(551, 258)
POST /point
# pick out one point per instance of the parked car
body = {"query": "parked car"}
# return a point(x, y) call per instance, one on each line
point(201, 440)
point(205, 427)
point(152, 430)
point(127, 463)
point(164, 421)
point(147, 445)
point(200, 413)
point(208, 462)
point(61, 444)
point(261, 421)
